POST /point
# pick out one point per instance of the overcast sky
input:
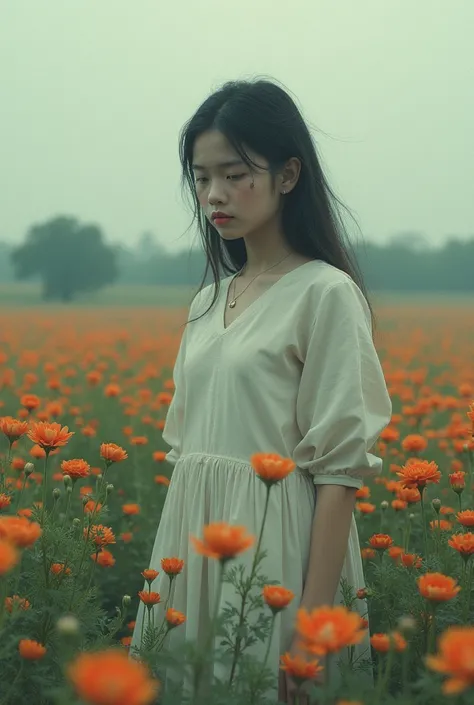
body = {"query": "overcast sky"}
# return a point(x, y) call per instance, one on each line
point(93, 94)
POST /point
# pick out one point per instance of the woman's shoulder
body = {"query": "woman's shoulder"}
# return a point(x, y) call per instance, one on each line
point(329, 288)
point(321, 277)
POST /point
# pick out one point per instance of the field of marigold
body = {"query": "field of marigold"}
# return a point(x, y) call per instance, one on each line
point(83, 400)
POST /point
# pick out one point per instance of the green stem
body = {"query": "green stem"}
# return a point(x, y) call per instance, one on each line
point(199, 667)
point(5, 700)
point(405, 662)
point(432, 630)
point(3, 595)
point(327, 678)
point(272, 626)
point(467, 587)
point(76, 577)
point(423, 519)
point(20, 494)
point(408, 531)
point(45, 483)
point(68, 501)
point(164, 624)
point(383, 677)
point(238, 640)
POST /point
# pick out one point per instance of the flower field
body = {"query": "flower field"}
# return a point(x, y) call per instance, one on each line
point(83, 400)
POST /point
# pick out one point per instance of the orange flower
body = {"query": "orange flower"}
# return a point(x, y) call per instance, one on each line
point(329, 629)
point(457, 481)
point(383, 642)
point(174, 618)
point(150, 575)
point(470, 415)
point(92, 506)
point(437, 587)
point(410, 560)
point(419, 473)
point(223, 541)
point(381, 541)
point(441, 525)
point(395, 552)
point(466, 518)
point(76, 469)
point(277, 597)
point(162, 480)
point(112, 390)
point(130, 509)
point(100, 535)
point(271, 467)
point(5, 500)
point(172, 566)
point(16, 602)
point(8, 556)
point(13, 428)
point(365, 507)
point(414, 443)
point(409, 494)
point(299, 668)
point(399, 505)
point(390, 434)
point(37, 452)
point(139, 440)
point(394, 485)
point(49, 435)
point(110, 677)
point(58, 569)
point(149, 598)
point(463, 544)
point(363, 492)
point(367, 553)
point(19, 531)
point(112, 453)
point(30, 401)
point(454, 659)
point(104, 558)
point(31, 650)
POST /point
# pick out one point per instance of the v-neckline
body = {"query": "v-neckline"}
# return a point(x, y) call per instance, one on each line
point(225, 298)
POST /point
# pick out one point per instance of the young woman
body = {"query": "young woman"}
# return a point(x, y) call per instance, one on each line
point(278, 357)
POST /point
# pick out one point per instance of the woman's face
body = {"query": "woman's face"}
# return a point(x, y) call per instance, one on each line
point(223, 182)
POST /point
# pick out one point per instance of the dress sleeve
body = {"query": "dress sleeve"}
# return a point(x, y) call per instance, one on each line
point(342, 403)
point(172, 431)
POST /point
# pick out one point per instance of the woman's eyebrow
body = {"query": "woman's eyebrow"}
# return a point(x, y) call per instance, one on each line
point(222, 165)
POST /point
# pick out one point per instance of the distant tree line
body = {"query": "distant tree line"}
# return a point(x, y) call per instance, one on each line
point(69, 257)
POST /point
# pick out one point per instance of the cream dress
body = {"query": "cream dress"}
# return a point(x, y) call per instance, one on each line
point(296, 373)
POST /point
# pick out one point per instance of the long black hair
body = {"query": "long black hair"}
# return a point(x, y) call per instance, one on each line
point(261, 116)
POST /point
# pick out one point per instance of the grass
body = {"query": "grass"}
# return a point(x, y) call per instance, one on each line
point(27, 294)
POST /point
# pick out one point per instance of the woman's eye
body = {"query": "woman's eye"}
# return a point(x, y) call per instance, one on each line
point(236, 177)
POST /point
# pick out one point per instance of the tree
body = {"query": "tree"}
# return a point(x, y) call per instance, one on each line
point(67, 256)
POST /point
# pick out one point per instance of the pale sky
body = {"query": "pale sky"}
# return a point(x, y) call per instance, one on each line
point(93, 94)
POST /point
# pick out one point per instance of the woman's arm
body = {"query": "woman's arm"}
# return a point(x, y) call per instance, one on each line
point(329, 540)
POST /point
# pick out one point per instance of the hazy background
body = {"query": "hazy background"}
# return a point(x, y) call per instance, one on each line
point(94, 93)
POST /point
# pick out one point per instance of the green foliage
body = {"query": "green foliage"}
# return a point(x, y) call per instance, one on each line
point(67, 256)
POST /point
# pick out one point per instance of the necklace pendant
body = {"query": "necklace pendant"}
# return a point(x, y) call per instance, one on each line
point(232, 304)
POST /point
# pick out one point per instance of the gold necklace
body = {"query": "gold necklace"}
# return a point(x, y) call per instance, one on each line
point(232, 303)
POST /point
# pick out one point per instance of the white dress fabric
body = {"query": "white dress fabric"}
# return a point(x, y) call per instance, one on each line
point(295, 374)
